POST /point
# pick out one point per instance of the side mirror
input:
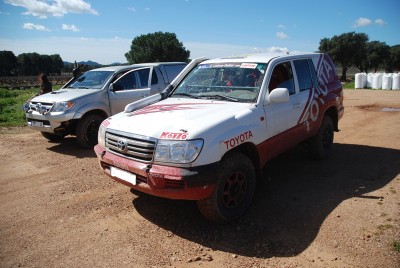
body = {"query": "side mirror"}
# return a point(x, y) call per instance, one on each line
point(279, 94)
point(111, 87)
point(115, 87)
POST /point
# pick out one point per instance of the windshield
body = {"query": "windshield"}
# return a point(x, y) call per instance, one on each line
point(91, 79)
point(238, 82)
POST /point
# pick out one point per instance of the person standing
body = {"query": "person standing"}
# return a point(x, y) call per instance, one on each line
point(45, 85)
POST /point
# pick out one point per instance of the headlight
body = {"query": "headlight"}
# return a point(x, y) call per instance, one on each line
point(177, 151)
point(62, 106)
point(101, 136)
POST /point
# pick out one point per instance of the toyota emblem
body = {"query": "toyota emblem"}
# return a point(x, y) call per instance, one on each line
point(122, 145)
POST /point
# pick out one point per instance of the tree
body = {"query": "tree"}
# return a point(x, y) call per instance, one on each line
point(157, 47)
point(346, 49)
point(393, 62)
point(377, 54)
point(57, 64)
point(8, 63)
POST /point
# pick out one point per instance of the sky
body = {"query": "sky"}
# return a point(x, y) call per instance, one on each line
point(103, 30)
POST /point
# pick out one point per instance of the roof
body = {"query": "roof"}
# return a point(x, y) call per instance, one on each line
point(259, 57)
point(135, 66)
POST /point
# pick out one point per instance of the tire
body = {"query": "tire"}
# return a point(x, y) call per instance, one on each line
point(321, 144)
point(87, 129)
point(233, 191)
point(53, 137)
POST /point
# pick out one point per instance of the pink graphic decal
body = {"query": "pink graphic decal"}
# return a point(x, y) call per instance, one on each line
point(160, 108)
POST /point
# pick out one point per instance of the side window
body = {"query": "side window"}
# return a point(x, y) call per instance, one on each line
point(154, 78)
point(313, 72)
point(143, 77)
point(282, 76)
point(126, 82)
point(303, 74)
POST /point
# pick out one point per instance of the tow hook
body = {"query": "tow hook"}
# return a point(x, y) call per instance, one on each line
point(102, 154)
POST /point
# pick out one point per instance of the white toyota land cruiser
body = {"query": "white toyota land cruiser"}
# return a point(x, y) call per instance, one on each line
point(209, 134)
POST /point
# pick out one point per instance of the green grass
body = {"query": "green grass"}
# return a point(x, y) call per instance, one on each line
point(349, 85)
point(11, 101)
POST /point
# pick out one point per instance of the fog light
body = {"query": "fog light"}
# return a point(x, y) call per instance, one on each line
point(26, 107)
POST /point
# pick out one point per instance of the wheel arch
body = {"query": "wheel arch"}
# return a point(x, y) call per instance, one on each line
point(250, 150)
point(333, 114)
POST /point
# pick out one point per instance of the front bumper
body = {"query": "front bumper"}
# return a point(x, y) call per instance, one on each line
point(164, 181)
point(50, 122)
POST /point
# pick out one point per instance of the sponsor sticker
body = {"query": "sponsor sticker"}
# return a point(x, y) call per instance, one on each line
point(239, 139)
point(174, 136)
point(248, 65)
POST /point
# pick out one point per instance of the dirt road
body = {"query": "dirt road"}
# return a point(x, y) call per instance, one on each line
point(57, 209)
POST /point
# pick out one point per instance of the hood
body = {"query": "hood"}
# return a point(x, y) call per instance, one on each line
point(64, 95)
point(176, 116)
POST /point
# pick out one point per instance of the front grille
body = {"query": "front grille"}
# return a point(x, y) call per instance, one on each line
point(131, 146)
point(34, 106)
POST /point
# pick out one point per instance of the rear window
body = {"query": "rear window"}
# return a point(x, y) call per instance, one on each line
point(303, 74)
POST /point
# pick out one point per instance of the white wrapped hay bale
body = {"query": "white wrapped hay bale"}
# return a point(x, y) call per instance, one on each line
point(377, 81)
point(358, 81)
point(387, 81)
point(396, 81)
point(370, 77)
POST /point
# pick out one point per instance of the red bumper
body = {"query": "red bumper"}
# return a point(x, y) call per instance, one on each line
point(157, 180)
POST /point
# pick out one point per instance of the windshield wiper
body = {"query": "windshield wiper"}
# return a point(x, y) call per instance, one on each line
point(219, 97)
point(185, 94)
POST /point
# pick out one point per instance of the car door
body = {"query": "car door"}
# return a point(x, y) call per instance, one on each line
point(278, 114)
point(130, 87)
point(156, 81)
point(302, 100)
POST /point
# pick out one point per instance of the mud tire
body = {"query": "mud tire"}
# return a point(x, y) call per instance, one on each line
point(322, 143)
point(233, 191)
point(87, 129)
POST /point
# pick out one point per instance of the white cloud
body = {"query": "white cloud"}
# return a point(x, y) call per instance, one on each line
point(380, 22)
point(132, 9)
point(362, 22)
point(57, 8)
point(147, 9)
point(281, 26)
point(37, 27)
point(281, 35)
point(70, 27)
point(277, 49)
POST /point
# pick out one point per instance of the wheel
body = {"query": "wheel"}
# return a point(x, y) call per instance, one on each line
point(321, 144)
point(86, 130)
point(53, 137)
point(233, 191)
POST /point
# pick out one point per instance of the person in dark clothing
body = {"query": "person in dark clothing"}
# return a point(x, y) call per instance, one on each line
point(45, 85)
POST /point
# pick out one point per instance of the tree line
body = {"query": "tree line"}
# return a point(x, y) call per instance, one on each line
point(355, 50)
point(347, 50)
point(28, 64)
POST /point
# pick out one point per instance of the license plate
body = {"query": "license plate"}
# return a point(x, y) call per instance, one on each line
point(36, 124)
point(123, 175)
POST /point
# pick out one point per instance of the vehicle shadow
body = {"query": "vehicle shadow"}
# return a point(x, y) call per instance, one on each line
point(294, 197)
point(69, 146)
